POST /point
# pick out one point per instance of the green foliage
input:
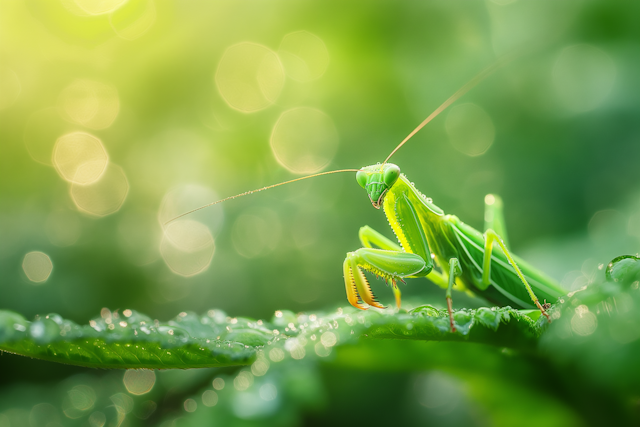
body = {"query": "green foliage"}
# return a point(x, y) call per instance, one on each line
point(562, 126)
point(596, 330)
point(590, 348)
point(132, 340)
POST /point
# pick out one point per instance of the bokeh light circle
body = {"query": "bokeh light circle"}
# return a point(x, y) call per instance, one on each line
point(104, 197)
point(249, 77)
point(134, 19)
point(304, 140)
point(187, 197)
point(187, 247)
point(470, 129)
point(37, 266)
point(89, 103)
point(209, 398)
point(92, 7)
point(304, 55)
point(80, 158)
point(139, 381)
point(583, 76)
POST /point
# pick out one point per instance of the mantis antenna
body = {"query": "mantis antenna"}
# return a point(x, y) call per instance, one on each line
point(259, 189)
point(464, 89)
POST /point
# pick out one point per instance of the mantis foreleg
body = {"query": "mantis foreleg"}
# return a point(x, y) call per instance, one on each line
point(392, 265)
point(370, 237)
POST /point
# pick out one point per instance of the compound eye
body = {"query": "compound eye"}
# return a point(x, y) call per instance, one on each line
point(361, 177)
point(391, 175)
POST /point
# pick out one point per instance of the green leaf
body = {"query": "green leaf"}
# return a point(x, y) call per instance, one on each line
point(132, 340)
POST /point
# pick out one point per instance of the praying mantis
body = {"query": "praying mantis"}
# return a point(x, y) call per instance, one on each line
point(433, 244)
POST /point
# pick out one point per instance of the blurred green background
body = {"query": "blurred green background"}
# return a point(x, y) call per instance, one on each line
point(117, 115)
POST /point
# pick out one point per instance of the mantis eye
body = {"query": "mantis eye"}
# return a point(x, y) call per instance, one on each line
point(391, 175)
point(361, 177)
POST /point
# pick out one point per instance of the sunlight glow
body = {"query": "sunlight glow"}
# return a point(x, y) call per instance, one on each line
point(470, 129)
point(209, 398)
point(249, 77)
point(104, 197)
point(80, 158)
point(37, 266)
point(89, 103)
point(243, 380)
point(97, 7)
point(187, 247)
point(134, 19)
point(139, 381)
point(304, 56)
point(304, 140)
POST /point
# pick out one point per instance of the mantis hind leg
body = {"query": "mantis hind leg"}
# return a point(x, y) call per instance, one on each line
point(490, 237)
point(494, 216)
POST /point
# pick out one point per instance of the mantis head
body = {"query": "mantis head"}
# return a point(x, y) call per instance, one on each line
point(377, 180)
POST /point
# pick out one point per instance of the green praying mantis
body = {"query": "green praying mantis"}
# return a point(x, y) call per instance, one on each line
point(432, 244)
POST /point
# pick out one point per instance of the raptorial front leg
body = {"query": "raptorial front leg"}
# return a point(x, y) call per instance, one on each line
point(391, 265)
point(370, 238)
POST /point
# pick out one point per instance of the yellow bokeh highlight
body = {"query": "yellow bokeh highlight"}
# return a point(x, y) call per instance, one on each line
point(187, 247)
point(304, 55)
point(37, 266)
point(92, 7)
point(304, 140)
point(190, 405)
point(583, 76)
point(97, 419)
point(209, 398)
point(103, 197)
point(9, 87)
point(470, 129)
point(249, 77)
point(140, 381)
point(89, 103)
point(134, 19)
point(185, 198)
point(41, 131)
point(80, 158)
point(78, 400)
